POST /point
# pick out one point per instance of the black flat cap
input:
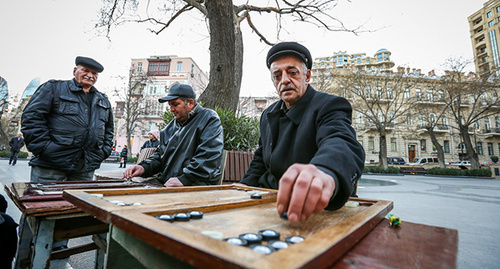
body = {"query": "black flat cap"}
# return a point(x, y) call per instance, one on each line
point(289, 48)
point(178, 90)
point(89, 62)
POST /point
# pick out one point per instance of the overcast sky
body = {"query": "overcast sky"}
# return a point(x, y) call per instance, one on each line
point(41, 38)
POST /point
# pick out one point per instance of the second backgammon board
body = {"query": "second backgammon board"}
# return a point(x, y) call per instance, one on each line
point(231, 226)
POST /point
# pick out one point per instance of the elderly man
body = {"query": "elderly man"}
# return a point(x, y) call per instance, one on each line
point(307, 147)
point(190, 150)
point(68, 126)
point(16, 143)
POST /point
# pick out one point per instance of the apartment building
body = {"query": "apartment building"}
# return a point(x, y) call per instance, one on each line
point(484, 27)
point(406, 135)
point(151, 78)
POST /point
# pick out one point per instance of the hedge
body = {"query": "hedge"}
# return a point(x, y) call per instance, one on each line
point(6, 154)
point(381, 170)
point(459, 172)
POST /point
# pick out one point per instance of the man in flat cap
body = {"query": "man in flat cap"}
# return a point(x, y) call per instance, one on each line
point(190, 150)
point(68, 126)
point(307, 147)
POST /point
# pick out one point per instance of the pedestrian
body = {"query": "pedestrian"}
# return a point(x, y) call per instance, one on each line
point(8, 236)
point(68, 126)
point(123, 155)
point(153, 141)
point(16, 143)
point(307, 147)
point(190, 150)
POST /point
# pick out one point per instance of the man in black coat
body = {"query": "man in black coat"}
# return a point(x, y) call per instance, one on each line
point(16, 143)
point(307, 147)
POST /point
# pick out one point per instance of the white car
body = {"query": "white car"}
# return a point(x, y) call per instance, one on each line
point(462, 163)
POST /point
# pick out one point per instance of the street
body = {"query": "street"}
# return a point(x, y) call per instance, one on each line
point(469, 205)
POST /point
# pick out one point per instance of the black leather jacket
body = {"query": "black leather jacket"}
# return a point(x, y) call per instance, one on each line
point(60, 128)
point(191, 152)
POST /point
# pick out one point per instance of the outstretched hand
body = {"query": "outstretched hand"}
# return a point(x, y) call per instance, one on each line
point(133, 171)
point(303, 190)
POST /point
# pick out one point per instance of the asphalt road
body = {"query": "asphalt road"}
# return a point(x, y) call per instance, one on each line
point(469, 205)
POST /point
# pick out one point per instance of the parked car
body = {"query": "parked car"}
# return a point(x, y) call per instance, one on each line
point(424, 161)
point(395, 160)
point(462, 163)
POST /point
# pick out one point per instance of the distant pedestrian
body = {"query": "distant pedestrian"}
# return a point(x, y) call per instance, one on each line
point(154, 140)
point(123, 155)
point(8, 236)
point(16, 143)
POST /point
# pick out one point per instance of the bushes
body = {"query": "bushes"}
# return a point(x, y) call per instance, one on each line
point(381, 170)
point(6, 154)
point(460, 172)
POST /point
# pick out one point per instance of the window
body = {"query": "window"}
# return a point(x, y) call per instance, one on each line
point(497, 124)
point(430, 96)
point(441, 95)
point(418, 94)
point(432, 118)
point(359, 118)
point(139, 67)
point(159, 67)
point(407, 93)
point(179, 67)
point(367, 60)
point(487, 124)
point(489, 14)
point(490, 149)
point(394, 146)
point(491, 23)
point(479, 148)
point(368, 92)
point(379, 93)
point(446, 146)
point(379, 57)
point(423, 147)
point(409, 120)
point(360, 140)
point(389, 93)
point(371, 143)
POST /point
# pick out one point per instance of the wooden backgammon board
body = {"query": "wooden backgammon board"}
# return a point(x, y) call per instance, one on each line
point(229, 211)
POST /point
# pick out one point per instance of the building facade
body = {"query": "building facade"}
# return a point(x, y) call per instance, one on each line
point(151, 78)
point(405, 90)
point(484, 27)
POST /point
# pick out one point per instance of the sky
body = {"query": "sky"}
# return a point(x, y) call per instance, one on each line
point(41, 38)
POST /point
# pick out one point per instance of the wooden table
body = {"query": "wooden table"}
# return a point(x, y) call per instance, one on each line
point(49, 218)
point(357, 237)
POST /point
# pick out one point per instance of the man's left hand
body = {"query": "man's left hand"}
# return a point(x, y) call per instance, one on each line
point(173, 182)
point(303, 190)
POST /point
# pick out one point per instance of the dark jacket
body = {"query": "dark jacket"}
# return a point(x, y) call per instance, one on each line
point(16, 144)
point(62, 124)
point(316, 130)
point(151, 144)
point(124, 153)
point(8, 240)
point(191, 152)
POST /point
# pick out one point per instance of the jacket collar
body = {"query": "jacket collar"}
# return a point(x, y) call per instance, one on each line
point(75, 86)
point(191, 115)
point(296, 111)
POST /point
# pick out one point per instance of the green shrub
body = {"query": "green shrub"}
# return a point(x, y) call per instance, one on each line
point(381, 170)
point(459, 172)
point(240, 133)
point(6, 154)
point(131, 159)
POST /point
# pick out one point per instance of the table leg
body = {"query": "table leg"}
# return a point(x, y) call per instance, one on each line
point(43, 244)
point(24, 244)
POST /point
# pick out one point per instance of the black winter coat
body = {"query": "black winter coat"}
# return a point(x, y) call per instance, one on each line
point(60, 128)
point(191, 152)
point(16, 144)
point(316, 130)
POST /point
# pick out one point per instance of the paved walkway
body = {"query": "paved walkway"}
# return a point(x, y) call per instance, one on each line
point(470, 205)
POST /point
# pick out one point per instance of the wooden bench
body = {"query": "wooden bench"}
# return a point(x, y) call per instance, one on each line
point(235, 165)
point(412, 170)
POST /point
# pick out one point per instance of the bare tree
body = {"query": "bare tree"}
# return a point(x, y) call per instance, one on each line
point(132, 108)
point(226, 40)
point(380, 98)
point(4, 105)
point(469, 99)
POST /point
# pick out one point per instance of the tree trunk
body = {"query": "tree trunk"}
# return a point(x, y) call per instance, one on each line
point(382, 155)
point(439, 148)
point(471, 153)
point(223, 90)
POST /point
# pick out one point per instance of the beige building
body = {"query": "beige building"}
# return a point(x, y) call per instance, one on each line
point(155, 75)
point(405, 134)
point(484, 27)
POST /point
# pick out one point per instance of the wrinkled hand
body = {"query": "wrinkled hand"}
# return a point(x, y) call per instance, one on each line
point(173, 182)
point(133, 171)
point(303, 190)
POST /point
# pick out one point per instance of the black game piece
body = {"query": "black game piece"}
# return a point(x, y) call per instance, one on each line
point(262, 249)
point(256, 196)
point(294, 239)
point(284, 215)
point(168, 218)
point(268, 234)
point(182, 217)
point(278, 244)
point(236, 241)
point(251, 238)
point(196, 214)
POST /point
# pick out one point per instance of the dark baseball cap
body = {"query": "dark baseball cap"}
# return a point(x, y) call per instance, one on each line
point(179, 90)
point(89, 62)
point(289, 48)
